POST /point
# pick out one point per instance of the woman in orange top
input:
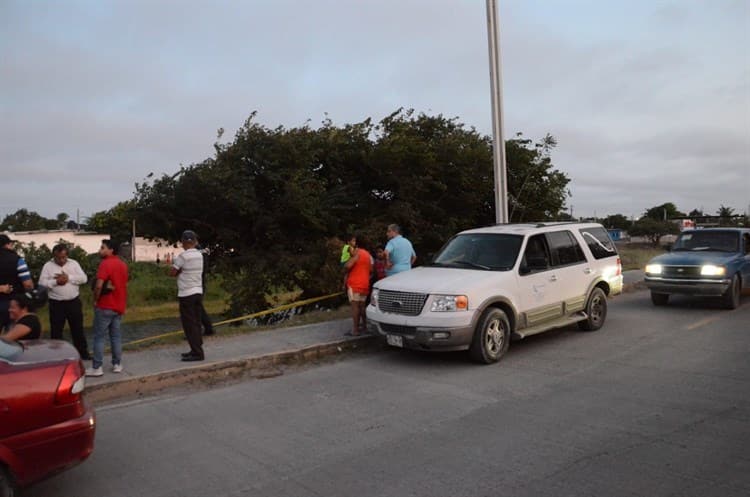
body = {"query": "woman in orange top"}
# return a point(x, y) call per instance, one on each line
point(359, 269)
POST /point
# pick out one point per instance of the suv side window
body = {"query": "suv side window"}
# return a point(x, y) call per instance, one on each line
point(564, 248)
point(599, 243)
point(536, 256)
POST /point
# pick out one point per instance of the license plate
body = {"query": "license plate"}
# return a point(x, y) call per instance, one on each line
point(395, 340)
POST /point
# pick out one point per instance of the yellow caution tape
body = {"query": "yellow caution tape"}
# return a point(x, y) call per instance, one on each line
point(243, 318)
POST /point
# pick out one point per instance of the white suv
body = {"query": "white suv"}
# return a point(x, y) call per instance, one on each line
point(487, 285)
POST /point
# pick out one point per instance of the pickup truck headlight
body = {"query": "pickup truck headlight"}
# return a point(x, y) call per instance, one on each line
point(653, 268)
point(711, 270)
point(374, 297)
point(449, 303)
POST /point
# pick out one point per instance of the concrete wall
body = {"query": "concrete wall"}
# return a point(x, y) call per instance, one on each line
point(90, 242)
point(148, 250)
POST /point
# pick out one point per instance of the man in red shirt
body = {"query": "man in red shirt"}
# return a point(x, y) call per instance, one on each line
point(358, 285)
point(110, 298)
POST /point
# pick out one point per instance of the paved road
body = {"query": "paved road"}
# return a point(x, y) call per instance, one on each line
point(655, 404)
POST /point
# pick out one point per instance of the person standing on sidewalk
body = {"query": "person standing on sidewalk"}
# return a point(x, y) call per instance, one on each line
point(359, 268)
point(399, 253)
point(15, 278)
point(62, 277)
point(110, 300)
point(188, 268)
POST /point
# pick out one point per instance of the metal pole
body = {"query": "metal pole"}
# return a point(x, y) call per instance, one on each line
point(498, 144)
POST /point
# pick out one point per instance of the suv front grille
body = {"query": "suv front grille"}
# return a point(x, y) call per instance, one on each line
point(406, 303)
point(681, 272)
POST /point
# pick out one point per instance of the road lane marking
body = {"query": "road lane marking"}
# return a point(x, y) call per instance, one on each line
point(712, 319)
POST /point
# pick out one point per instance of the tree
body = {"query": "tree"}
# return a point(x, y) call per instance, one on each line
point(62, 220)
point(653, 229)
point(664, 212)
point(23, 220)
point(725, 215)
point(617, 221)
point(271, 201)
point(117, 221)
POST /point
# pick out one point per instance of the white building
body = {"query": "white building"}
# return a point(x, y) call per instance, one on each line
point(152, 250)
point(88, 241)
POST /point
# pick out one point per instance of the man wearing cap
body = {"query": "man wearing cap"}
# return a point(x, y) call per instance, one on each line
point(188, 268)
point(15, 277)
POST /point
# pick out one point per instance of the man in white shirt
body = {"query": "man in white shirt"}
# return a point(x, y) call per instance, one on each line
point(188, 268)
point(62, 277)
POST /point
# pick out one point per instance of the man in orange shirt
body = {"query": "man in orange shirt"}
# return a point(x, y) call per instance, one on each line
point(359, 267)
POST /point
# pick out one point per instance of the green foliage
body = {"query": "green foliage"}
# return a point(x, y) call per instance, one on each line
point(617, 221)
point(270, 202)
point(117, 221)
point(658, 212)
point(24, 220)
point(653, 229)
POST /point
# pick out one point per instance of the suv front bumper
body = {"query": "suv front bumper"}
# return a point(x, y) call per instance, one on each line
point(442, 331)
point(696, 287)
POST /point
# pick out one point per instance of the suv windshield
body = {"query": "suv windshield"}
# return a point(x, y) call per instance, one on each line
point(721, 241)
point(485, 251)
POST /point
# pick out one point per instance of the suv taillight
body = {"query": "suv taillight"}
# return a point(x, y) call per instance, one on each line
point(619, 267)
point(71, 384)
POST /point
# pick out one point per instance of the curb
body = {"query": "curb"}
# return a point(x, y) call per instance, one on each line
point(258, 367)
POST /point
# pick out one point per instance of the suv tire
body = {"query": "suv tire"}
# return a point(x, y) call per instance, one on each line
point(491, 337)
point(596, 311)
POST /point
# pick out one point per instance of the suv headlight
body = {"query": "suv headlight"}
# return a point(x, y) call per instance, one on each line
point(653, 268)
point(374, 297)
point(711, 270)
point(449, 303)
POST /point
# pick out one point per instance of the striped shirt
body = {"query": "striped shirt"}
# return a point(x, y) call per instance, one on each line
point(23, 270)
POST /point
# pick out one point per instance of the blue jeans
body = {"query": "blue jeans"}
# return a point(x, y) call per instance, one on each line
point(106, 320)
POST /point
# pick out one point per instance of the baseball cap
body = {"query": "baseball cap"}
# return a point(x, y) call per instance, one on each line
point(188, 236)
point(5, 240)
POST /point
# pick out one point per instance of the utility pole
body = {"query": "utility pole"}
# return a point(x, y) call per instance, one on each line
point(498, 144)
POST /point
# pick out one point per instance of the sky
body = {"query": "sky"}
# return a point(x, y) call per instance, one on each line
point(649, 100)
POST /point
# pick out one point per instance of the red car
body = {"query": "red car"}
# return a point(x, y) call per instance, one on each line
point(45, 424)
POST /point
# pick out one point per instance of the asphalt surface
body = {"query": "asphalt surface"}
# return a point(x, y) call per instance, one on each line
point(654, 404)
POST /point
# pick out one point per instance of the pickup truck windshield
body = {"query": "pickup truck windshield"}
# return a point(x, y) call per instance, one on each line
point(719, 241)
point(481, 251)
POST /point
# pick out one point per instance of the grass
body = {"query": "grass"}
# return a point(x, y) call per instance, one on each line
point(636, 256)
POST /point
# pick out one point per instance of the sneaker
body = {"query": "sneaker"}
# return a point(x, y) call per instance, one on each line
point(117, 368)
point(95, 371)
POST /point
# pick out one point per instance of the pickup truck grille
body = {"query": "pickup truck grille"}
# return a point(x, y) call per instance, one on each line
point(689, 272)
point(406, 303)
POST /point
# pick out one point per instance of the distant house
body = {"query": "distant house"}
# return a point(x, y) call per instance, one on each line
point(618, 234)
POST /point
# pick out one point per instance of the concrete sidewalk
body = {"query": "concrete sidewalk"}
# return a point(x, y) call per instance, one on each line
point(257, 354)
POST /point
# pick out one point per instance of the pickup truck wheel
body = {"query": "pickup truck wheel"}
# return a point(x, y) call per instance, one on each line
point(732, 296)
point(6, 485)
point(659, 298)
point(596, 311)
point(491, 337)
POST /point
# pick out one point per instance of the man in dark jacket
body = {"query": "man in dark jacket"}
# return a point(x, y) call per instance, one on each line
point(15, 277)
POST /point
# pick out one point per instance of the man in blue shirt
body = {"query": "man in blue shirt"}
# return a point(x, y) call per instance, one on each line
point(399, 253)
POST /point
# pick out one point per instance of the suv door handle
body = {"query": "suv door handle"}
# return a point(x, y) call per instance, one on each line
point(553, 277)
point(588, 270)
